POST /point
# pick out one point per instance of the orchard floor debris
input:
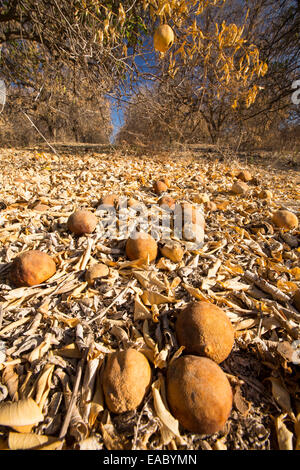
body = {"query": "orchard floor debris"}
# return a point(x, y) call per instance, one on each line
point(54, 337)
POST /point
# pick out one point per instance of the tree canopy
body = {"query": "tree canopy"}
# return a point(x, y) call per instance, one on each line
point(227, 55)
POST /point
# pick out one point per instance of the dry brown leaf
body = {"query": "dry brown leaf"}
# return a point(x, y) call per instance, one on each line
point(119, 333)
point(55, 445)
point(166, 264)
point(155, 313)
point(148, 340)
point(24, 412)
point(233, 268)
point(91, 443)
point(24, 390)
point(148, 279)
point(11, 380)
point(160, 359)
point(255, 247)
point(77, 291)
point(97, 402)
point(78, 428)
point(148, 352)
point(220, 444)
point(110, 437)
point(240, 403)
point(14, 325)
point(212, 272)
point(40, 350)
point(284, 436)
point(35, 324)
point(246, 324)
point(195, 292)
point(141, 312)
point(71, 322)
point(234, 284)
point(296, 273)
point(222, 206)
point(281, 395)
point(286, 350)
point(151, 298)
point(71, 351)
point(169, 425)
point(287, 286)
point(23, 429)
point(17, 441)
point(90, 377)
point(43, 385)
point(177, 354)
point(83, 261)
point(175, 283)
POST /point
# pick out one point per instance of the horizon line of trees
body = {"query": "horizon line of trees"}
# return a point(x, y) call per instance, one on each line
point(227, 79)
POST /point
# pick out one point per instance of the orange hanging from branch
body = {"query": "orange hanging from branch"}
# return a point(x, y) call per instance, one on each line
point(163, 38)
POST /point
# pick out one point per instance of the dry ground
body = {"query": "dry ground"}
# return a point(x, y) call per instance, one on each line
point(38, 323)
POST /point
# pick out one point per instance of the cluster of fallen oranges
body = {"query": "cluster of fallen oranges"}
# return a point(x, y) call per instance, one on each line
point(198, 391)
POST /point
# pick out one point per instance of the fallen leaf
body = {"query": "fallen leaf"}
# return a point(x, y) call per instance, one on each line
point(240, 403)
point(151, 298)
point(71, 351)
point(17, 441)
point(141, 312)
point(284, 436)
point(20, 413)
point(195, 292)
point(170, 425)
point(281, 395)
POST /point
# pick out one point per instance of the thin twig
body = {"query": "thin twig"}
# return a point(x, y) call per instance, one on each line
point(267, 287)
point(136, 429)
point(67, 419)
point(33, 125)
point(260, 321)
point(113, 303)
point(1, 316)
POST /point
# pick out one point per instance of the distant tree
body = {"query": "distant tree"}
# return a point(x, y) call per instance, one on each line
point(224, 95)
point(89, 35)
point(103, 40)
point(66, 108)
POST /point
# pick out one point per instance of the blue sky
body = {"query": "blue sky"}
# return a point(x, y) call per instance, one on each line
point(117, 117)
point(145, 63)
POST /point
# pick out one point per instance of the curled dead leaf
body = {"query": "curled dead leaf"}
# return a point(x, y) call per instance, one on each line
point(141, 312)
point(281, 395)
point(284, 436)
point(240, 403)
point(195, 292)
point(169, 425)
point(17, 441)
point(71, 351)
point(11, 380)
point(151, 298)
point(20, 413)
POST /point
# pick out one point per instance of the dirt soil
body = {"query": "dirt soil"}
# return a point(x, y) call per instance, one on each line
point(55, 337)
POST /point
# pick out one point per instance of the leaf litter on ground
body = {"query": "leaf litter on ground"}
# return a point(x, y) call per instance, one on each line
point(246, 266)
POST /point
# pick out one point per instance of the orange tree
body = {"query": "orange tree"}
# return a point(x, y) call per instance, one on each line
point(221, 51)
point(105, 38)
